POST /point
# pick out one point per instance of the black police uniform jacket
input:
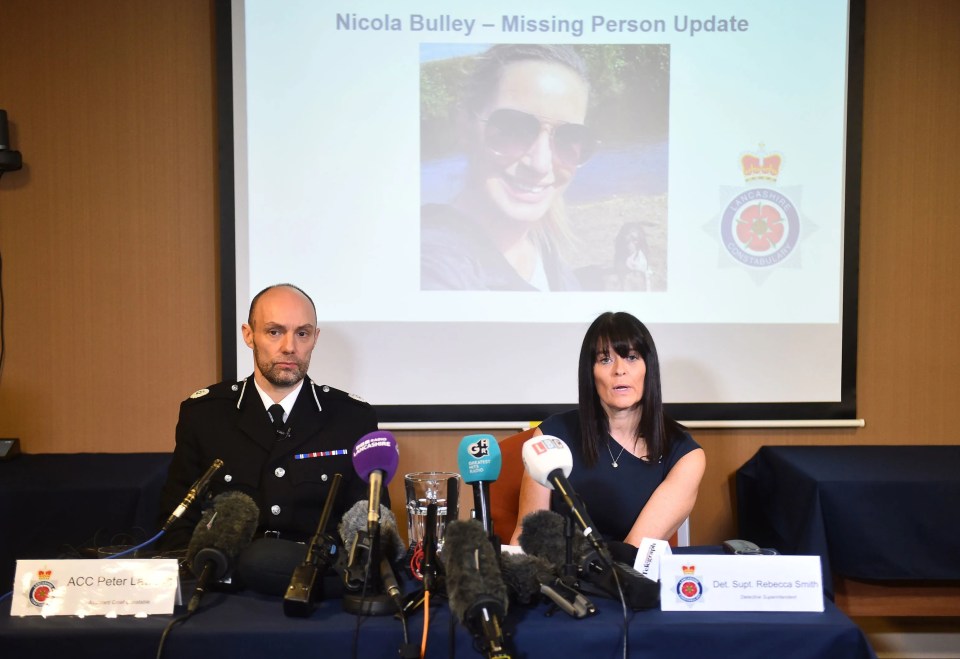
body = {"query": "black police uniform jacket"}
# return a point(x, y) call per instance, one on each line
point(228, 421)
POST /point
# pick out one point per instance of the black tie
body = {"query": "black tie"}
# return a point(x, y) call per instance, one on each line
point(276, 413)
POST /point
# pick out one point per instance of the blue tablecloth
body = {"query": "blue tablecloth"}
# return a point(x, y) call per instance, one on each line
point(251, 625)
point(870, 512)
point(56, 502)
point(56, 505)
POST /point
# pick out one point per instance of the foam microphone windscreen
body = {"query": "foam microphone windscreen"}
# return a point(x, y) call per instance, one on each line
point(352, 522)
point(225, 529)
point(376, 451)
point(355, 520)
point(523, 574)
point(391, 544)
point(473, 578)
point(542, 535)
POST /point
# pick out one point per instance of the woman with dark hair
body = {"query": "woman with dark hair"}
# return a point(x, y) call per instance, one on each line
point(522, 118)
point(637, 470)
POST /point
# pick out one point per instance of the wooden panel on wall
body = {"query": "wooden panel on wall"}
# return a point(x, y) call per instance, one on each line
point(108, 234)
point(909, 361)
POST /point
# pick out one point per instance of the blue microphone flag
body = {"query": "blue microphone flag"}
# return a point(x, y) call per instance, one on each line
point(479, 458)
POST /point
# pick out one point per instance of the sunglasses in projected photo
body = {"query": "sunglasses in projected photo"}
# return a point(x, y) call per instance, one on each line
point(511, 133)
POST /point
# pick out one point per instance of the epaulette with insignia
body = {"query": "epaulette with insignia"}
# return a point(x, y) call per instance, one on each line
point(330, 391)
point(221, 390)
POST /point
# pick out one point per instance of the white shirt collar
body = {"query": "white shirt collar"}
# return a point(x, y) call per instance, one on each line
point(286, 403)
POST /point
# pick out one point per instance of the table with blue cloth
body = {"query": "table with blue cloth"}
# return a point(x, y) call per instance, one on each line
point(252, 625)
point(883, 515)
point(51, 502)
point(58, 505)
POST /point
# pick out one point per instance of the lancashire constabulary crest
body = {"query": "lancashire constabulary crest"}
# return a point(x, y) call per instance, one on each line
point(760, 225)
point(41, 589)
point(689, 588)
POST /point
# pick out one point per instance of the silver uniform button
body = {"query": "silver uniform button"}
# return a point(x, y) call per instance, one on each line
point(279, 472)
point(323, 478)
point(227, 478)
point(275, 510)
point(234, 387)
point(325, 389)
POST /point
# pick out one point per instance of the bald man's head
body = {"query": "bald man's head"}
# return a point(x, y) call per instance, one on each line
point(281, 329)
point(256, 298)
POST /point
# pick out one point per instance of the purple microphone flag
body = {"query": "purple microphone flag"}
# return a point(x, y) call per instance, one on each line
point(374, 451)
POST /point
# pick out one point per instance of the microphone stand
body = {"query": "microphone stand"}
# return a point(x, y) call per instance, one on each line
point(570, 570)
point(377, 576)
point(372, 600)
point(428, 564)
point(565, 593)
point(429, 567)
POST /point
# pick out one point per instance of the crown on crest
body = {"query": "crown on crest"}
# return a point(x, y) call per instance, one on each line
point(44, 574)
point(688, 569)
point(761, 166)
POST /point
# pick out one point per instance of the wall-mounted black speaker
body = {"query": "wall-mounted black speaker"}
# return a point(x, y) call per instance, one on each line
point(9, 160)
point(4, 131)
point(9, 448)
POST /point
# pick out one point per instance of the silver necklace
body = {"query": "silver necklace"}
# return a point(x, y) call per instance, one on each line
point(615, 461)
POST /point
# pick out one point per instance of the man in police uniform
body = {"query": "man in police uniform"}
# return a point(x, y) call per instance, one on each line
point(286, 465)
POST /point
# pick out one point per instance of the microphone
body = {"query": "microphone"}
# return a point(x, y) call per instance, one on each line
point(195, 490)
point(370, 555)
point(548, 461)
point(375, 458)
point(225, 529)
point(356, 540)
point(475, 588)
point(390, 584)
point(522, 575)
point(298, 600)
point(529, 578)
point(479, 461)
point(543, 535)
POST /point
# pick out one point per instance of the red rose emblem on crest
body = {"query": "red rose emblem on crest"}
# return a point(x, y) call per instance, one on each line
point(760, 227)
point(689, 589)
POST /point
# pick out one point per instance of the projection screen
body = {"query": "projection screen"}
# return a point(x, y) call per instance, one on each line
point(463, 187)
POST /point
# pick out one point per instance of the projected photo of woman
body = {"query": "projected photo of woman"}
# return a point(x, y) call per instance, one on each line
point(517, 193)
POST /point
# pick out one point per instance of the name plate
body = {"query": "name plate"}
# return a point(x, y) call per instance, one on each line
point(703, 582)
point(105, 587)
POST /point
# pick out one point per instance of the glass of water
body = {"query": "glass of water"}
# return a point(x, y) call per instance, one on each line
point(423, 488)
